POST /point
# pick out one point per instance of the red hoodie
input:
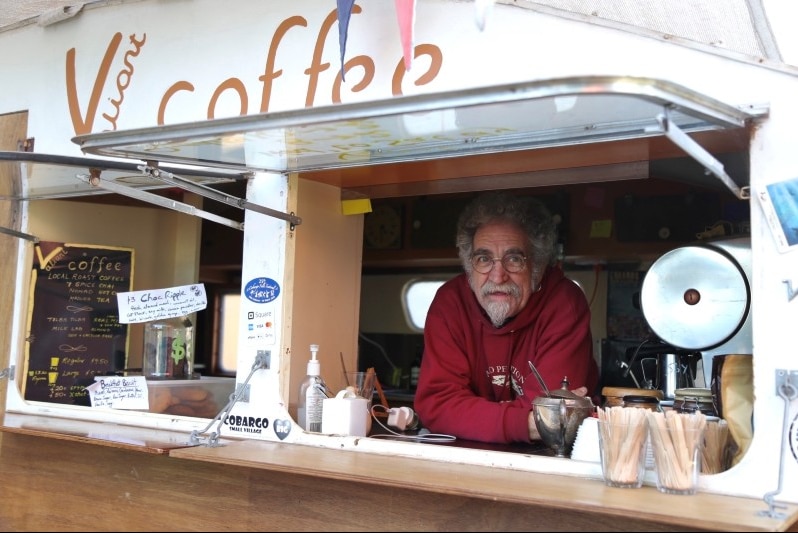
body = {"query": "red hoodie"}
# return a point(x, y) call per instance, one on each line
point(475, 381)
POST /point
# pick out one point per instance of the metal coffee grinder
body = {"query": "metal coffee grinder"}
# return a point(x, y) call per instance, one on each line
point(664, 367)
point(697, 300)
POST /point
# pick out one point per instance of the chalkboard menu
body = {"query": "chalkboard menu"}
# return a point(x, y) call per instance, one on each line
point(74, 332)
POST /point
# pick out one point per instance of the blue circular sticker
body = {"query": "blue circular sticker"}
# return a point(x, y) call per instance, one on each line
point(262, 290)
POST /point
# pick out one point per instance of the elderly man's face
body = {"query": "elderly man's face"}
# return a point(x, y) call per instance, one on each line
point(501, 293)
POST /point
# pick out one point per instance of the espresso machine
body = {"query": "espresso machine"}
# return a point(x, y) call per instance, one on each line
point(697, 300)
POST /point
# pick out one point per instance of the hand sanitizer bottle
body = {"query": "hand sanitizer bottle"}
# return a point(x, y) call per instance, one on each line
point(312, 392)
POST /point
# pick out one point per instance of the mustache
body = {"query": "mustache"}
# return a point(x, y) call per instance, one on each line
point(509, 288)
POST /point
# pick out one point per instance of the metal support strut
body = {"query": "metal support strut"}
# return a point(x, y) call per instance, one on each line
point(152, 170)
point(241, 392)
point(697, 152)
point(787, 389)
point(95, 180)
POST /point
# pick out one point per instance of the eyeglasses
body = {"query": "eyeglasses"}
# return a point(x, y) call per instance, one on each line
point(512, 263)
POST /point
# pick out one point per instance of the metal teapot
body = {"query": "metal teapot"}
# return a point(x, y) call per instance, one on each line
point(558, 417)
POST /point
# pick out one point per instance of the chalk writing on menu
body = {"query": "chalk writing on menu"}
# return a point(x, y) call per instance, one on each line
point(74, 328)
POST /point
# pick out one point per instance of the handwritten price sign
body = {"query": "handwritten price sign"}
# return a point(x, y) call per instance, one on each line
point(146, 306)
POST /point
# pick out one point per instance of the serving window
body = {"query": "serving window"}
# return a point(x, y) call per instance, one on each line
point(302, 214)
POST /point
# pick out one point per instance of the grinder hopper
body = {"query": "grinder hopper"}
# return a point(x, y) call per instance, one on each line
point(698, 297)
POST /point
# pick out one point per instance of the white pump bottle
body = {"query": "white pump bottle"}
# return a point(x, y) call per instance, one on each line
point(312, 392)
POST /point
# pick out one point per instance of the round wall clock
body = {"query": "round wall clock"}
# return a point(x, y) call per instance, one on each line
point(383, 228)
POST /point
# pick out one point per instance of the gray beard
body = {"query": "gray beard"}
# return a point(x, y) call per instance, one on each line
point(497, 312)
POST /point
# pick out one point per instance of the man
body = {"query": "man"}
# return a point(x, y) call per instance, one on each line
point(510, 307)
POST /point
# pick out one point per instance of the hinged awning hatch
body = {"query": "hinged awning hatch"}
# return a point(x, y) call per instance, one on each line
point(51, 176)
point(519, 116)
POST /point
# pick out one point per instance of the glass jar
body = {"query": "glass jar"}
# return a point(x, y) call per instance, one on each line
point(168, 349)
point(651, 403)
point(642, 402)
point(614, 396)
point(691, 400)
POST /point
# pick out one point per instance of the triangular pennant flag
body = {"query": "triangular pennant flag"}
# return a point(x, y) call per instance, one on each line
point(344, 12)
point(483, 11)
point(406, 15)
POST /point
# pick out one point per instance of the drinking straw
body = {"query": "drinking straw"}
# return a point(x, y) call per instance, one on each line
point(383, 399)
point(343, 366)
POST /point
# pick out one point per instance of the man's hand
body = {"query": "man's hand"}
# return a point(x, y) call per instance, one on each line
point(581, 391)
point(533, 429)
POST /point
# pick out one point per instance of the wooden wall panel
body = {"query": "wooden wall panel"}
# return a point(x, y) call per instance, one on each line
point(53, 485)
point(12, 130)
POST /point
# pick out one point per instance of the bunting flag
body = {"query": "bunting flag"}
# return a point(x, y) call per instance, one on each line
point(483, 10)
point(406, 15)
point(344, 13)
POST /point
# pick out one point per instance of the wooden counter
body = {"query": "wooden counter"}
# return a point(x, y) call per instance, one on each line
point(563, 493)
point(73, 481)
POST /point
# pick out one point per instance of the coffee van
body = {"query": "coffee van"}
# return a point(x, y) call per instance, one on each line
point(474, 117)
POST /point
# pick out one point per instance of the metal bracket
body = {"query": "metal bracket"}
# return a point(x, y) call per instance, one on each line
point(7, 373)
point(787, 389)
point(95, 180)
point(791, 292)
point(152, 170)
point(697, 152)
point(787, 382)
point(15, 233)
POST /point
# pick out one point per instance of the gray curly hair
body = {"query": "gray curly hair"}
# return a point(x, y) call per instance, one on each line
point(530, 214)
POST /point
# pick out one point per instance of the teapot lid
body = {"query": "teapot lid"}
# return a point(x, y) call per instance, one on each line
point(564, 391)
